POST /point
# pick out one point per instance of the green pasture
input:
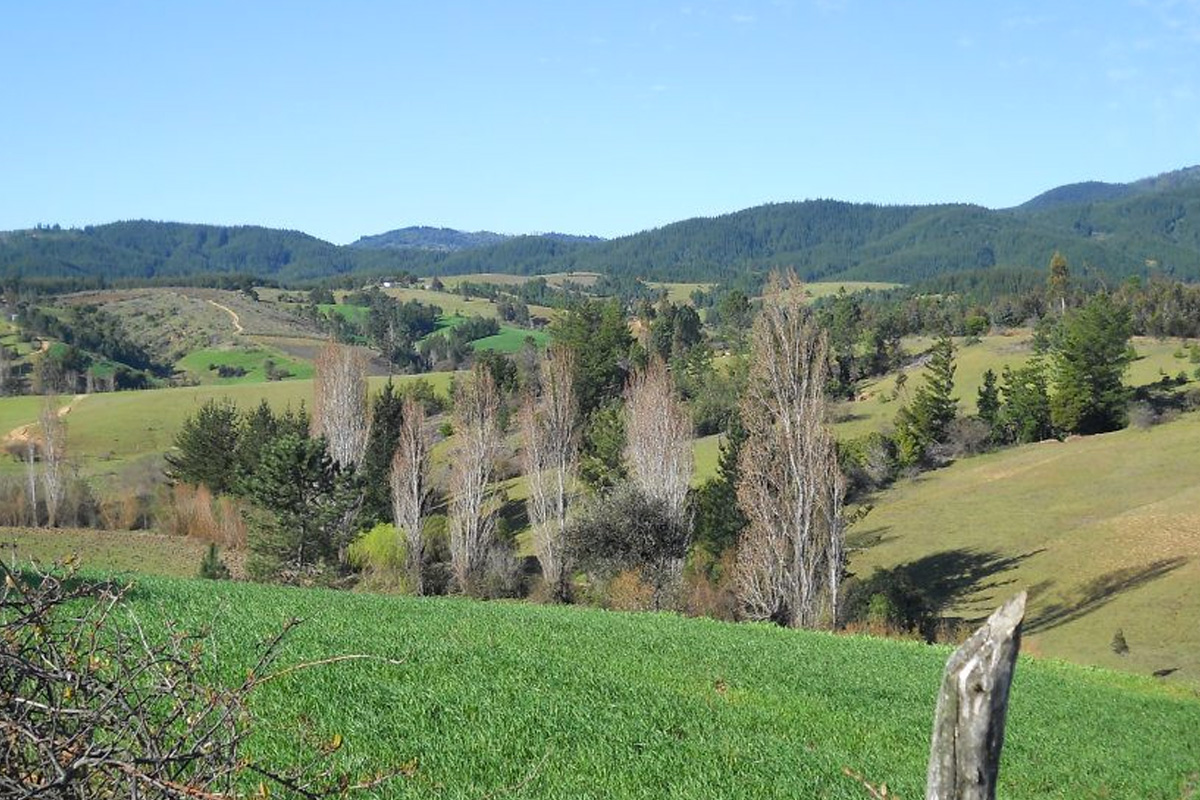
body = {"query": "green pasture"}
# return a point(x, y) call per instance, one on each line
point(355, 314)
point(680, 293)
point(1104, 532)
point(567, 702)
point(450, 303)
point(251, 359)
point(511, 339)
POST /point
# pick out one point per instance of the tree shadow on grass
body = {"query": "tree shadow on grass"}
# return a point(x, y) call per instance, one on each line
point(1100, 591)
point(919, 592)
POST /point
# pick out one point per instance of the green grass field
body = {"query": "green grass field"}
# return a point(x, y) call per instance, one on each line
point(450, 304)
point(511, 339)
point(251, 359)
point(1104, 531)
point(502, 699)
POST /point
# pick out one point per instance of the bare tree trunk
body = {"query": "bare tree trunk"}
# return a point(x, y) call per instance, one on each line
point(31, 452)
point(791, 489)
point(968, 726)
point(5, 369)
point(473, 452)
point(551, 455)
point(410, 487)
point(54, 457)
point(340, 402)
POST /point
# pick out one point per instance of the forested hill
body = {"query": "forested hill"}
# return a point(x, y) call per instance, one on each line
point(1149, 226)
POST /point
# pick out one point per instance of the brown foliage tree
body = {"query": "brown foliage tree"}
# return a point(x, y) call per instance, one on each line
point(551, 459)
point(54, 457)
point(340, 402)
point(473, 452)
point(791, 488)
point(410, 486)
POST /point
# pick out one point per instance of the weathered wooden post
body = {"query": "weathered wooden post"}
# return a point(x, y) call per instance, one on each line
point(968, 726)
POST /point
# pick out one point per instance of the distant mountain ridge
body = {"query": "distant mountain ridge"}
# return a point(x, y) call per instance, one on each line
point(1115, 230)
point(422, 237)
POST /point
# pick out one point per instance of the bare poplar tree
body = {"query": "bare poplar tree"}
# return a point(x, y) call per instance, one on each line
point(340, 402)
point(54, 457)
point(410, 486)
point(658, 430)
point(5, 369)
point(473, 452)
point(548, 423)
point(31, 474)
point(791, 488)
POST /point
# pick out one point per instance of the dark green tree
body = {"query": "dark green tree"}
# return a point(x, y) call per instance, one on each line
point(206, 447)
point(309, 510)
point(602, 451)
point(376, 467)
point(598, 336)
point(1025, 416)
point(926, 420)
point(1090, 353)
point(719, 519)
point(988, 401)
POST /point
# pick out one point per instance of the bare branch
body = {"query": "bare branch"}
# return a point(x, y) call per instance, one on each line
point(473, 453)
point(340, 412)
point(410, 486)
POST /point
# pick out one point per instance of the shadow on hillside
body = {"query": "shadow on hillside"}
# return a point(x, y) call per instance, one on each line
point(864, 539)
point(920, 592)
point(956, 576)
point(1100, 591)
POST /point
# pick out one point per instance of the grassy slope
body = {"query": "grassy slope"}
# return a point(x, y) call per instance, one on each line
point(1104, 531)
point(580, 703)
point(511, 339)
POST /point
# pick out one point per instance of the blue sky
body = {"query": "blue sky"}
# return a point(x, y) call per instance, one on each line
point(350, 118)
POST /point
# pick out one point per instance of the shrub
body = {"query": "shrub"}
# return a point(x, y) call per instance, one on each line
point(211, 565)
point(626, 530)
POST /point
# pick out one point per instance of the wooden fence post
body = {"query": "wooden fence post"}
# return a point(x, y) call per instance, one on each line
point(968, 727)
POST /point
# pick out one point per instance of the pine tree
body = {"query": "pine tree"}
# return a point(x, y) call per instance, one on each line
point(988, 401)
point(206, 447)
point(1090, 352)
point(925, 422)
point(1058, 281)
point(387, 414)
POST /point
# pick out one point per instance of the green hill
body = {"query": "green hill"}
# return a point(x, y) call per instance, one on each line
point(1111, 230)
point(569, 702)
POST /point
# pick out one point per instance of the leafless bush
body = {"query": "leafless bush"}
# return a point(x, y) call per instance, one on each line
point(14, 502)
point(92, 706)
point(192, 511)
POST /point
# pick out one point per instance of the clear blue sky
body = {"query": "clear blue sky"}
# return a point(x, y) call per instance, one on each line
point(350, 118)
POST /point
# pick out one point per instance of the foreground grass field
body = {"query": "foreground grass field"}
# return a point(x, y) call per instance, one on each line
point(1104, 531)
point(495, 699)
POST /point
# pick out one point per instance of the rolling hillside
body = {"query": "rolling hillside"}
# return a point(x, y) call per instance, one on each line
point(1115, 230)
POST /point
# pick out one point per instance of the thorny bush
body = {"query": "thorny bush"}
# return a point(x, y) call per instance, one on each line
point(94, 706)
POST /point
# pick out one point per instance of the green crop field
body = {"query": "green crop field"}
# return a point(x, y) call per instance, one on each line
point(1104, 531)
point(680, 292)
point(499, 699)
